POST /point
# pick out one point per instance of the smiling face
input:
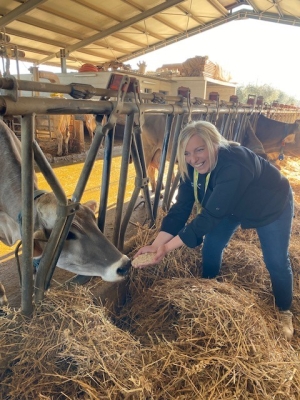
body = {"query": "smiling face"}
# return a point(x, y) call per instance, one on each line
point(197, 155)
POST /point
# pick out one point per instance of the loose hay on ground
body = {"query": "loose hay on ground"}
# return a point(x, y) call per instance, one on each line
point(68, 350)
point(210, 340)
point(178, 337)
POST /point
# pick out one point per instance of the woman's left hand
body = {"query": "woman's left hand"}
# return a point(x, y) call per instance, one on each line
point(155, 256)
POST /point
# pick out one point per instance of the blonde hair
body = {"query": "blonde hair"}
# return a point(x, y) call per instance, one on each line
point(211, 137)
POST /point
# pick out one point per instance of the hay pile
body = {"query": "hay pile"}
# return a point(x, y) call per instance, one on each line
point(68, 350)
point(177, 337)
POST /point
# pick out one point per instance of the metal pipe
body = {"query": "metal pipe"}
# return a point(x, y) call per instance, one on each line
point(137, 152)
point(43, 105)
point(123, 177)
point(107, 158)
point(88, 164)
point(140, 181)
point(53, 247)
point(85, 90)
point(170, 174)
point(162, 163)
point(27, 178)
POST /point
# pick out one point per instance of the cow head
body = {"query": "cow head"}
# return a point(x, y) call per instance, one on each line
point(86, 250)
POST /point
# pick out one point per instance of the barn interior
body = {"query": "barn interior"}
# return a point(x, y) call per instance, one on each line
point(165, 348)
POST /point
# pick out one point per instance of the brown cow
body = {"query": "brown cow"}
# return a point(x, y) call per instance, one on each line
point(61, 130)
point(152, 138)
point(90, 123)
point(86, 250)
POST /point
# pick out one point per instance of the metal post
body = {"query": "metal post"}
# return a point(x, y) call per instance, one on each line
point(63, 62)
point(27, 175)
point(162, 163)
point(123, 177)
point(166, 200)
point(109, 139)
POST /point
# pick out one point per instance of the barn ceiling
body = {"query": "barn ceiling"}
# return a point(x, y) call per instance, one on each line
point(102, 31)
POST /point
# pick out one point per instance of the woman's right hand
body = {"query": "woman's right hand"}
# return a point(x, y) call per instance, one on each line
point(146, 249)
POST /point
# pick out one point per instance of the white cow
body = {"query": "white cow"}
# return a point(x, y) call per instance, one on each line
point(86, 250)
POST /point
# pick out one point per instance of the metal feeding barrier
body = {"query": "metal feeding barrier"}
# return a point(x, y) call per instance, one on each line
point(122, 96)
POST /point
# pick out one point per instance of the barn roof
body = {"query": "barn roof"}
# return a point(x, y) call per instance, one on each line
point(99, 32)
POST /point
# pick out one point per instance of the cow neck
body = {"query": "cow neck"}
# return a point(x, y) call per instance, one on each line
point(36, 194)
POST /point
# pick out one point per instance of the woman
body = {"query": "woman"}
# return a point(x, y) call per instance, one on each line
point(232, 187)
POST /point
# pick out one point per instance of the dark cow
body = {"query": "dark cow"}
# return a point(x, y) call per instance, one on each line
point(86, 250)
point(272, 133)
point(267, 137)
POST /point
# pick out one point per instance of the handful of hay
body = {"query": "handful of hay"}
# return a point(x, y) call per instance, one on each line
point(143, 259)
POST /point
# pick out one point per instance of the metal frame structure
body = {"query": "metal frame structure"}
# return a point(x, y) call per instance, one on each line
point(231, 119)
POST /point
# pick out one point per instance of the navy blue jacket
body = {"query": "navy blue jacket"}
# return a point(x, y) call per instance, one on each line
point(242, 186)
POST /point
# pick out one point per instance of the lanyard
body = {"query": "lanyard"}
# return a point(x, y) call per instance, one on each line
point(198, 204)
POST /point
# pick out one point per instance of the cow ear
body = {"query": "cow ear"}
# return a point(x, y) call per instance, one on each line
point(92, 204)
point(46, 209)
point(39, 243)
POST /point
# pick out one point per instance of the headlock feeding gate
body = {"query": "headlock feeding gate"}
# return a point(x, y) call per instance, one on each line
point(231, 118)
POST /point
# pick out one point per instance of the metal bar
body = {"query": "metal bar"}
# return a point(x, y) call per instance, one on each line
point(43, 105)
point(18, 11)
point(52, 249)
point(109, 139)
point(139, 183)
point(137, 152)
point(123, 177)
point(9, 83)
point(162, 163)
point(27, 178)
point(88, 164)
point(170, 174)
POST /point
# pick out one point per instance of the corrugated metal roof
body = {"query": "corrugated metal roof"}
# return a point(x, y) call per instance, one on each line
point(98, 32)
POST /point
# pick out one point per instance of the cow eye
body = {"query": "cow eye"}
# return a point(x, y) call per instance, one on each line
point(71, 236)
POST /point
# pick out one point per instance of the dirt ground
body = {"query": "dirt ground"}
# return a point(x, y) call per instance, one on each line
point(8, 269)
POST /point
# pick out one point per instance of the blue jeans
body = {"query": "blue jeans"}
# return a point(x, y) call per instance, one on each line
point(274, 239)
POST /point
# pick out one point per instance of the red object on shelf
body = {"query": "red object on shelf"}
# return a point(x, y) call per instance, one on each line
point(88, 68)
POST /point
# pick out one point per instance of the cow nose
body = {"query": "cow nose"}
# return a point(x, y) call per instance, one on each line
point(123, 271)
